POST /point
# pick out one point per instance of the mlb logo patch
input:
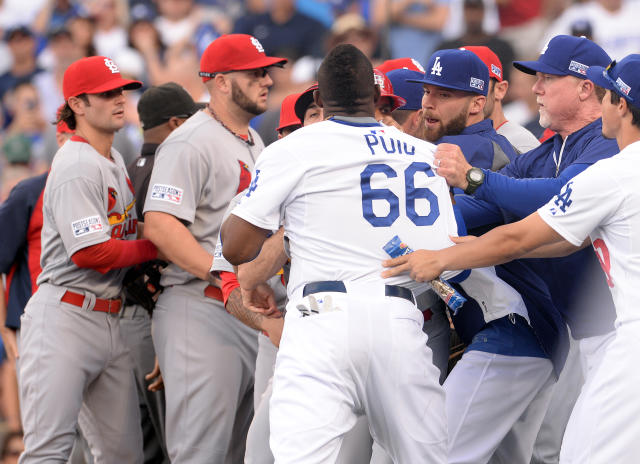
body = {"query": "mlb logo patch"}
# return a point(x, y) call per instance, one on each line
point(580, 68)
point(167, 193)
point(86, 226)
point(496, 70)
point(477, 83)
point(624, 87)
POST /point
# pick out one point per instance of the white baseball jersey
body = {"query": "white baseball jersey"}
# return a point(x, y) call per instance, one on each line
point(603, 202)
point(88, 200)
point(342, 205)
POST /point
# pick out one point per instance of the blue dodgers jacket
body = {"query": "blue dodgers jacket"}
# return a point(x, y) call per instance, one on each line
point(518, 190)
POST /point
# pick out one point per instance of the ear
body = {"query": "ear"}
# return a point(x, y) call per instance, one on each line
point(477, 104)
point(174, 123)
point(377, 94)
point(500, 90)
point(77, 105)
point(317, 99)
point(221, 83)
point(586, 89)
point(415, 120)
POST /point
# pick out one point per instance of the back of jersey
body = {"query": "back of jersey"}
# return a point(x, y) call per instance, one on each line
point(343, 190)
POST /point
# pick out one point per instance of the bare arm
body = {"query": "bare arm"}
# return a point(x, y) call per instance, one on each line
point(432, 20)
point(177, 245)
point(552, 250)
point(270, 260)
point(241, 240)
point(272, 326)
point(498, 246)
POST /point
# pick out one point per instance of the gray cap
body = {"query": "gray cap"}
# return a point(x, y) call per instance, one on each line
point(159, 103)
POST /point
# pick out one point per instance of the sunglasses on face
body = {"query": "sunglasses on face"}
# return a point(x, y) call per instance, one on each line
point(257, 73)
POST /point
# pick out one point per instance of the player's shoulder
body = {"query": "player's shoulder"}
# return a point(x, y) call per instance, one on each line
point(75, 160)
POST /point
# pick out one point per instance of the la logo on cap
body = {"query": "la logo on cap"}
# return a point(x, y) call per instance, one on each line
point(256, 43)
point(544, 49)
point(437, 67)
point(111, 65)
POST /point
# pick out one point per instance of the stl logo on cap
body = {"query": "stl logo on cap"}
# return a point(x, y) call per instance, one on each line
point(111, 65)
point(256, 43)
point(437, 67)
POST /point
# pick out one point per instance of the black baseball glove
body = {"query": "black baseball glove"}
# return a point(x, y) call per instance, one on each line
point(142, 284)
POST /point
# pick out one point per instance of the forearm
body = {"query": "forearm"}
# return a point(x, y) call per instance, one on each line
point(114, 254)
point(522, 197)
point(177, 244)
point(239, 311)
point(270, 260)
point(433, 20)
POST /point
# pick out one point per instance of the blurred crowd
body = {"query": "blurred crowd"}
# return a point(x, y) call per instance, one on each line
point(156, 41)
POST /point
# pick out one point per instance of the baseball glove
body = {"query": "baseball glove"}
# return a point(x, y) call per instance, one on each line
point(142, 284)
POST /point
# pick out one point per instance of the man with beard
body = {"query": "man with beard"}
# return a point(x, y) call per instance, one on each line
point(206, 355)
point(455, 94)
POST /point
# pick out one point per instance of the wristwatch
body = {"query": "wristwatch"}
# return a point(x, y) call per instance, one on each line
point(475, 178)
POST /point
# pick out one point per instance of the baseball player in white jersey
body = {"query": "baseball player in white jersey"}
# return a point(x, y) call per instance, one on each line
point(600, 206)
point(72, 358)
point(350, 345)
point(207, 356)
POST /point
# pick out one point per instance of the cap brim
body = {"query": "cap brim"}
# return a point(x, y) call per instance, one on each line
point(118, 82)
point(532, 67)
point(441, 84)
point(262, 62)
point(595, 75)
point(302, 103)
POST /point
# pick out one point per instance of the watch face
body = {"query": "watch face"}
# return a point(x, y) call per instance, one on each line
point(475, 176)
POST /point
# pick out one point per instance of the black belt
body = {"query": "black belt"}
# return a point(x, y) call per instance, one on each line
point(338, 286)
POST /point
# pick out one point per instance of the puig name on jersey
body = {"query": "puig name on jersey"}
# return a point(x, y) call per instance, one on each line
point(379, 142)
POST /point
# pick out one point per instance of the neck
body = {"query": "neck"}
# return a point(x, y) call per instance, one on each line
point(235, 119)
point(363, 111)
point(585, 117)
point(497, 116)
point(628, 134)
point(99, 140)
point(23, 66)
point(282, 15)
point(156, 135)
point(475, 118)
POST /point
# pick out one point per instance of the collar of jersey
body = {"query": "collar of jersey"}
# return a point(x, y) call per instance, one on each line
point(358, 121)
point(482, 126)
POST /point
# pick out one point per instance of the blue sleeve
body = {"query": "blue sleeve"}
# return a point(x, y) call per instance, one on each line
point(477, 213)
point(14, 212)
point(522, 197)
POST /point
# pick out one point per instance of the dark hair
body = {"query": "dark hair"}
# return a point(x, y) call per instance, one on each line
point(345, 78)
point(401, 116)
point(67, 115)
point(635, 112)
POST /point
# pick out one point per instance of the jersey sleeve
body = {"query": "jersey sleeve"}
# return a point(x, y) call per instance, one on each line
point(14, 212)
point(79, 214)
point(585, 202)
point(277, 176)
point(179, 174)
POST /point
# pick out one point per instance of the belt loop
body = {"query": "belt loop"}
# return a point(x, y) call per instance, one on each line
point(89, 301)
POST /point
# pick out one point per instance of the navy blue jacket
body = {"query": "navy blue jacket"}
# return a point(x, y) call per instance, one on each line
point(20, 238)
point(518, 190)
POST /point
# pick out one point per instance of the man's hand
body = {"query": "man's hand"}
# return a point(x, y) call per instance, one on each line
point(10, 343)
point(422, 266)
point(452, 165)
point(261, 300)
point(273, 327)
point(156, 376)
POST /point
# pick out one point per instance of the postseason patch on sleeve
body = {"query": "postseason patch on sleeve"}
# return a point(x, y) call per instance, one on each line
point(86, 226)
point(166, 193)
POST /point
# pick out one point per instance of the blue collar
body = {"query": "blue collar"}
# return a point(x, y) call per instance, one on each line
point(479, 127)
point(357, 121)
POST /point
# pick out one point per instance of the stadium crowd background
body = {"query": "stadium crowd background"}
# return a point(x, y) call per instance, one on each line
point(157, 41)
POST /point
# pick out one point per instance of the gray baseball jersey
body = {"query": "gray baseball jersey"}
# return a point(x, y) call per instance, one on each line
point(198, 169)
point(88, 199)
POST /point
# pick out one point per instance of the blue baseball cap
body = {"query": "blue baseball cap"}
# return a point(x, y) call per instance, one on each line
point(566, 55)
point(622, 78)
point(401, 81)
point(456, 69)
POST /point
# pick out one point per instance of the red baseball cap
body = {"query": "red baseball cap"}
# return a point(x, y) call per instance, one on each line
point(303, 101)
point(386, 89)
point(400, 63)
point(235, 52)
point(94, 74)
point(287, 112)
point(489, 58)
